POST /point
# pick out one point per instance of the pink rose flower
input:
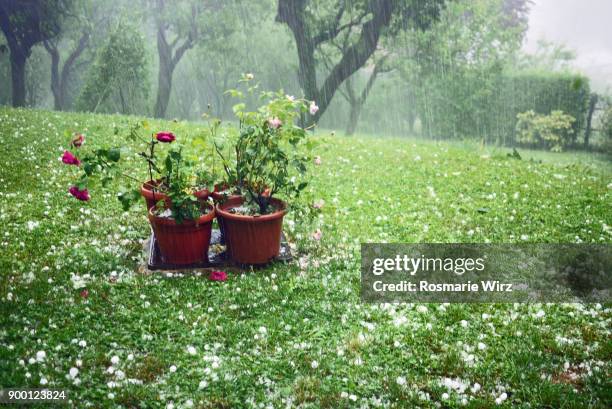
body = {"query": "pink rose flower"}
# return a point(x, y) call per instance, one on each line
point(82, 195)
point(69, 159)
point(274, 123)
point(84, 293)
point(313, 108)
point(165, 137)
point(78, 140)
point(217, 275)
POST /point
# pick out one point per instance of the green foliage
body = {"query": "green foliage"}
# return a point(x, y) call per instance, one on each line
point(269, 155)
point(119, 78)
point(550, 131)
point(374, 190)
point(177, 178)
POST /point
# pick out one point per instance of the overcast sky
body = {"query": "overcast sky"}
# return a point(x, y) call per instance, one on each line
point(582, 25)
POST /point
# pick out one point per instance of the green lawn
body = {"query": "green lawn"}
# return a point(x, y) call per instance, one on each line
point(296, 334)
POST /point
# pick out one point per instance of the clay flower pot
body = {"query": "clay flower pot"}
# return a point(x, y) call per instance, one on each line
point(251, 239)
point(220, 194)
point(151, 198)
point(146, 190)
point(185, 243)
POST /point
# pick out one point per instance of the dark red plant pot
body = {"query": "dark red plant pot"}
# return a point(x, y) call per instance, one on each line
point(251, 239)
point(146, 190)
point(202, 195)
point(151, 197)
point(185, 243)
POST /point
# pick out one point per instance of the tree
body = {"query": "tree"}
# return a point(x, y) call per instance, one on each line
point(315, 23)
point(178, 29)
point(119, 75)
point(77, 32)
point(26, 23)
point(458, 64)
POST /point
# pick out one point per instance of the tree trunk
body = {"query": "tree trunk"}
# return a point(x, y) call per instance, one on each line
point(167, 62)
point(18, 62)
point(55, 77)
point(587, 132)
point(353, 119)
point(164, 85)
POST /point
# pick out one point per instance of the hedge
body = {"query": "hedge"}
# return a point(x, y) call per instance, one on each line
point(473, 106)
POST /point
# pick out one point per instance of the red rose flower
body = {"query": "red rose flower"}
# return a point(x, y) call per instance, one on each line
point(165, 137)
point(217, 276)
point(84, 293)
point(69, 159)
point(82, 195)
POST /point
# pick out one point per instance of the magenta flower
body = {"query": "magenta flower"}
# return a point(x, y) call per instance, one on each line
point(69, 159)
point(84, 293)
point(82, 195)
point(165, 137)
point(217, 275)
point(274, 123)
point(78, 140)
point(314, 108)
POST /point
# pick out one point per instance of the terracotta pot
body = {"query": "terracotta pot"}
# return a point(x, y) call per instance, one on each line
point(251, 239)
point(151, 199)
point(219, 193)
point(146, 190)
point(185, 243)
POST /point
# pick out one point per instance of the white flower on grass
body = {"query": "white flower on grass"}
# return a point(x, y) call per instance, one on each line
point(79, 363)
point(43, 381)
point(203, 384)
point(191, 350)
point(314, 364)
point(524, 237)
point(501, 398)
point(188, 403)
point(401, 380)
point(114, 360)
point(445, 396)
point(40, 356)
point(353, 398)
point(173, 368)
point(82, 343)
point(482, 346)
point(32, 225)
point(74, 372)
point(31, 361)
point(475, 388)
point(120, 375)
point(464, 323)
point(422, 309)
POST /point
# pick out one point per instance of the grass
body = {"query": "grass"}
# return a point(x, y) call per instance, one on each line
point(295, 334)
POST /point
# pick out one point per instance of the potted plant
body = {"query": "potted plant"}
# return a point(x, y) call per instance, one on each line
point(183, 229)
point(179, 214)
point(155, 189)
point(268, 159)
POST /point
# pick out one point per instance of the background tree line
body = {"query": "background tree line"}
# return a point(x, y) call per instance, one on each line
point(441, 69)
